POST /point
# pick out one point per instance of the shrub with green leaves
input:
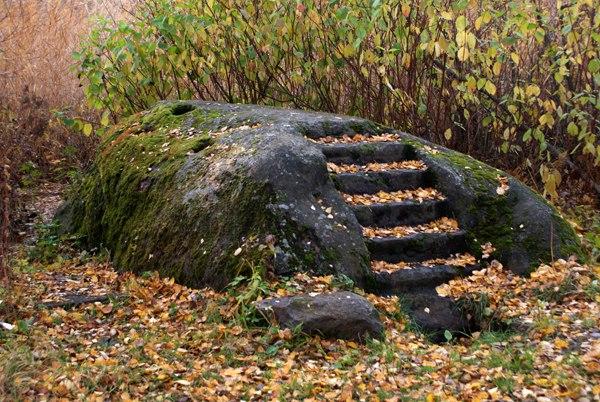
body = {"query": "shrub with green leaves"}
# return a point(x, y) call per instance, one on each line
point(515, 82)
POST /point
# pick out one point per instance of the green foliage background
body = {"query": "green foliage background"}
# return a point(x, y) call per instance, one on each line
point(512, 82)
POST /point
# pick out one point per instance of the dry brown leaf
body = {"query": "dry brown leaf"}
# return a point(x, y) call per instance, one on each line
point(503, 186)
point(107, 308)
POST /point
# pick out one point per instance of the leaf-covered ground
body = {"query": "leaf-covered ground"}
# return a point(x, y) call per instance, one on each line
point(156, 339)
point(149, 338)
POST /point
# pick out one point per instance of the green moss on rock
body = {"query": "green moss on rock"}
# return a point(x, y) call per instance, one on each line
point(521, 225)
point(132, 201)
point(172, 190)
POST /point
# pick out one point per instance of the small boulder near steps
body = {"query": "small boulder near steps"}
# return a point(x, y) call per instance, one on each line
point(341, 315)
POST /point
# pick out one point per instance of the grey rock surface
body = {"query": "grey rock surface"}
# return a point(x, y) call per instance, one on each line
point(341, 315)
point(434, 315)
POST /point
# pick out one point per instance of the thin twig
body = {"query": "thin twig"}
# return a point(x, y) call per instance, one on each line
point(4, 222)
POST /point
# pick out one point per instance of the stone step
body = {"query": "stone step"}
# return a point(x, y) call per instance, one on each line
point(417, 247)
point(418, 277)
point(400, 213)
point(434, 314)
point(362, 153)
point(387, 180)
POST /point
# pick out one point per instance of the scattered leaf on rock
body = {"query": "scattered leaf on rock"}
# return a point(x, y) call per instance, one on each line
point(502, 186)
point(487, 249)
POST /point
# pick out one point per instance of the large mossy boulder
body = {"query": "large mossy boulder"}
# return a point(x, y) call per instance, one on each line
point(203, 191)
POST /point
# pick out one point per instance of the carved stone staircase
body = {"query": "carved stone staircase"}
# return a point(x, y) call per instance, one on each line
point(391, 192)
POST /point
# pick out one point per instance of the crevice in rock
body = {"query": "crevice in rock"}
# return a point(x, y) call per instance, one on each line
point(182, 108)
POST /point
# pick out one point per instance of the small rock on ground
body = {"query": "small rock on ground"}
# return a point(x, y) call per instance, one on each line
point(341, 315)
point(435, 315)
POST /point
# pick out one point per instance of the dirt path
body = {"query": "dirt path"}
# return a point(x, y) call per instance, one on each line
point(39, 204)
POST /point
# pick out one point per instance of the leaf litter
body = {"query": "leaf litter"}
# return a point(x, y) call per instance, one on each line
point(376, 167)
point(167, 341)
point(350, 139)
point(383, 197)
point(457, 260)
point(442, 225)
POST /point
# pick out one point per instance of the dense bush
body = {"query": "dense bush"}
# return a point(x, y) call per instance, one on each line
point(513, 82)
